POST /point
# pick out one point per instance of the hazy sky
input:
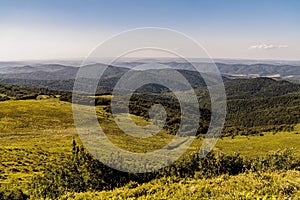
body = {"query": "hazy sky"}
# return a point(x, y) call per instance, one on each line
point(254, 29)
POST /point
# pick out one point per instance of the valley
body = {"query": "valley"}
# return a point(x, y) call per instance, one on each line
point(39, 141)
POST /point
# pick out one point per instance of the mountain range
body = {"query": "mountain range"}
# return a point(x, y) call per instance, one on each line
point(61, 77)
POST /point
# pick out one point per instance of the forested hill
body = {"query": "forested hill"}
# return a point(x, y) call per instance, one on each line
point(62, 80)
point(15, 92)
point(261, 104)
point(259, 87)
point(254, 105)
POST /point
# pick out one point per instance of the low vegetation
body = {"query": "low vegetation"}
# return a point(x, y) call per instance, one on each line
point(266, 185)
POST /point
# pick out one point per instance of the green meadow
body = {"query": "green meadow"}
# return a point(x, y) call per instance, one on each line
point(35, 133)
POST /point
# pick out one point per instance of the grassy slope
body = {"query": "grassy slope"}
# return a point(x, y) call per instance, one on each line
point(36, 132)
point(32, 134)
point(258, 145)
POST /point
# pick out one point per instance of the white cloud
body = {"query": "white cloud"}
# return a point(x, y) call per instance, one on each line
point(267, 46)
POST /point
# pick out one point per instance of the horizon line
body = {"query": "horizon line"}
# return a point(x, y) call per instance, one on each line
point(129, 58)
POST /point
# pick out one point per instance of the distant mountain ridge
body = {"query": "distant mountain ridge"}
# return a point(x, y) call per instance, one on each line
point(235, 69)
point(61, 77)
point(279, 70)
point(31, 69)
point(260, 70)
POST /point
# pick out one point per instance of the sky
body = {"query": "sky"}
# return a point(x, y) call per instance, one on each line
point(238, 29)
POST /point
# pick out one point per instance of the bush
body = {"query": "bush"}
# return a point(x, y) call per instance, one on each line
point(278, 160)
point(14, 194)
point(82, 172)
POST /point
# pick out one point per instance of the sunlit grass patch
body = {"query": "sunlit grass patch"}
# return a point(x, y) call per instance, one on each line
point(253, 146)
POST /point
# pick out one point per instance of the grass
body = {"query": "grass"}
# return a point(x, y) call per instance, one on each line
point(252, 146)
point(19, 117)
point(34, 133)
point(276, 185)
